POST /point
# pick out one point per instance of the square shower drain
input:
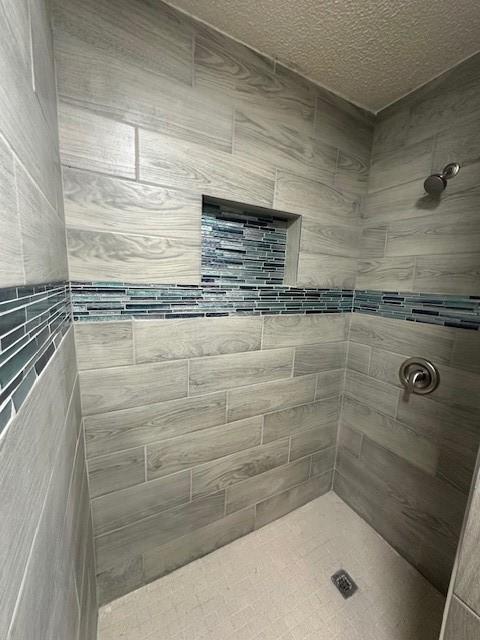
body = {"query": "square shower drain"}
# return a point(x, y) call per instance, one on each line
point(344, 583)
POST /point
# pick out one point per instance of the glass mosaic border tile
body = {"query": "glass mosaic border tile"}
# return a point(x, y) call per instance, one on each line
point(103, 301)
point(462, 312)
point(242, 247)
point(96, 301)
point(33, 320)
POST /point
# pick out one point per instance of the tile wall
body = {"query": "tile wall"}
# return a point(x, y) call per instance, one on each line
point(47, 580)
point(203, 428)
point(407, 467)
point(412, 241)
point(463, 613)
point(143, 138)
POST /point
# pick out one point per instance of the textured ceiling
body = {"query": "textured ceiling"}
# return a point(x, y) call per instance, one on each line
point(371, 52)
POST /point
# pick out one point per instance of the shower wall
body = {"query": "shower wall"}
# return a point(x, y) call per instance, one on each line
point(191, 422)
point(407, 466)
point(463, 618)
point(47, 579)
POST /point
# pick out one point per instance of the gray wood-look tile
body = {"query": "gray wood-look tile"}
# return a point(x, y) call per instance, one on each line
point(119, 578)
point(44, 260)
point(175, 554)
point(284, 91)
point(323, 461)
point(406, 442)
point(203, 446)
point(273, 139)
point(401, 502)
point(329, 384)
point(195, 337)
point(281, 504)
point(109, 29)
point(54, 548)
point(461, 622)
point(397, 203)
point(306, 442)
point(90, 141)
point(390, 274)
point(342, 129)
point(105, 390)
point(164, 160)
point(270, 396)
point(266, 484)
point(402, 337)
point(316, 199)
point(34, 141)
point(308, 416)
point(222, 473)
point(358, 357)
point(455, 430)
point(319, 238)
point(221, 64)
point(434, 234)
point(146, 534)
point(448, 274)
point(11, 258)
point(95, 202)
point(137, 97)
point(319, 357)
point(106, 256)
point(400, 166)
point(466, 350)
point(466, 582)
point(325, 272)
point(126, 506)
point(43, 62)
point(116, 471)
point(228, 371)
point(349, 439)
point(286, 331)
point(150, 423)
point(385, 366)
point(103, 344)
point(24, 486)
point(351, 175)
point(372, 242)
point(372, 392)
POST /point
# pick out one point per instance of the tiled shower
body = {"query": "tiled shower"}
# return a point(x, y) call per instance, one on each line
point(211, 272)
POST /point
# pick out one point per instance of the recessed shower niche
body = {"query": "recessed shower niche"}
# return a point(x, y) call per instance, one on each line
point(248, 245)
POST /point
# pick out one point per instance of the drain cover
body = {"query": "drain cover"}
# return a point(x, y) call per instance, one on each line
point(344, 583)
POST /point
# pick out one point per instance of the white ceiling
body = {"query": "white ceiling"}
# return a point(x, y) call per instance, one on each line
point(371, 52)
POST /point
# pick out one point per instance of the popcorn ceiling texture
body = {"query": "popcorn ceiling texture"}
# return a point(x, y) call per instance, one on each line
point(371, 52)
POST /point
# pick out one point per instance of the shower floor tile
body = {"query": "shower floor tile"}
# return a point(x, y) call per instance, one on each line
point(274, 584)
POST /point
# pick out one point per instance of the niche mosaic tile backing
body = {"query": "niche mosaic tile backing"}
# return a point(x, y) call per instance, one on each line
point(93, 301)
point(33, 320)
point(432, 308)
point(244, 248)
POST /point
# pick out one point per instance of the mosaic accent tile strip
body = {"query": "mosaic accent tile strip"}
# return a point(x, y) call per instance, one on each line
point(242, 247)
point(462, 312)
point(103, 301)
point(33, 320)
point(94, 301)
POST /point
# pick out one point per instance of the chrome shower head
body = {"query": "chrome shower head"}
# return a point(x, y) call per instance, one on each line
point(437, 182)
